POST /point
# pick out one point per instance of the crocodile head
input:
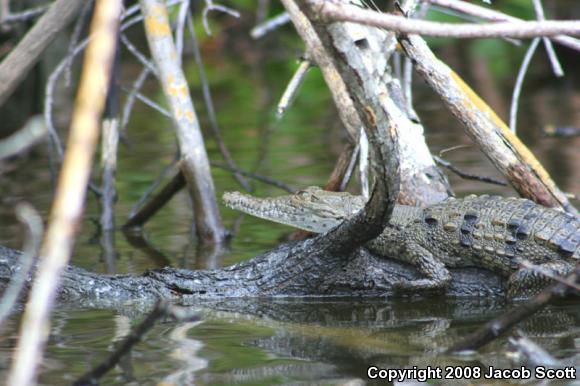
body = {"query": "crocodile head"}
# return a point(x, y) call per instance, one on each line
point(311, 209)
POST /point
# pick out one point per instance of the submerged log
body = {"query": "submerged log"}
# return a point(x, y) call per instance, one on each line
point(291, 270)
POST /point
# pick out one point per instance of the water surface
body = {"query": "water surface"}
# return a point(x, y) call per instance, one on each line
point(290, 341)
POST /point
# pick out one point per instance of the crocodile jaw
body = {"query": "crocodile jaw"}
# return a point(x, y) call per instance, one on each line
point(294, 210)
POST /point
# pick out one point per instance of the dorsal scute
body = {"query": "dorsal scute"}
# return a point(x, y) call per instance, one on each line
point(511, 220)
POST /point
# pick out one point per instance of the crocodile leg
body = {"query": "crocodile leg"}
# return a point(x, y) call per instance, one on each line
point(438, 276)
point(526, 282)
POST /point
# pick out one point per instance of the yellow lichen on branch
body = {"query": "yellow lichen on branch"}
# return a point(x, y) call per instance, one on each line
point(194, 162)
point(157, 22)
point(510, 156)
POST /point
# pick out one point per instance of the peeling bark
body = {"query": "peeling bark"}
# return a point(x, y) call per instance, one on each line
point(367, 50)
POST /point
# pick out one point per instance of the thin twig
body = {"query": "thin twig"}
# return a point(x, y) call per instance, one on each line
point(257, 177)
point(293, 86)
point(130, 100)
point(53, 162)
point(556, 66)
point(75, 38)
point(363, 163)
point(453, 148)
point(270, 25)
point(140, 57)
point(32, 221)
point(52, 79)
point(140, 212)
point(48, 97)
point(69, 200)
point(408, 83)
point(467, 176)
point(332, 11)
point(182, 15)
point(350, 168)
point(519, 82)
point(474, 10)
point(407, 80)
point(491, 15)
point(149, 102)
point(468, 17)
point(162, 309)
point(342, 168)
point(211, 114)
point(55, 142)
point(12, 18)
point(210, 6)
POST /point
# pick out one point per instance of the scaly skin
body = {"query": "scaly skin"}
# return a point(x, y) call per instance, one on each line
point(489, 232)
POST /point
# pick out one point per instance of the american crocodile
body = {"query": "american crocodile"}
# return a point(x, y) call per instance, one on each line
point(489, 232)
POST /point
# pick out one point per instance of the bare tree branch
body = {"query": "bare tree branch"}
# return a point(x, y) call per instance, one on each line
point(333, 11)
point(293, 87)
point(70, 196)
point(556, 66)
point(490, 14)
point(211, 6)
point(21, 59)
point(276, 22)
point(519, 83)
point(194, 159)
point(510, 156)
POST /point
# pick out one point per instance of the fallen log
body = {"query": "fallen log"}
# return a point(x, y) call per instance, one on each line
point(291, 270)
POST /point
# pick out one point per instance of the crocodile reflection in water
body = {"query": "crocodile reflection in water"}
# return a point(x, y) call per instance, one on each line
point(489, 232)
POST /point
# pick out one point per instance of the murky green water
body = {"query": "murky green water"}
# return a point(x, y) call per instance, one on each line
point(279, 341)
